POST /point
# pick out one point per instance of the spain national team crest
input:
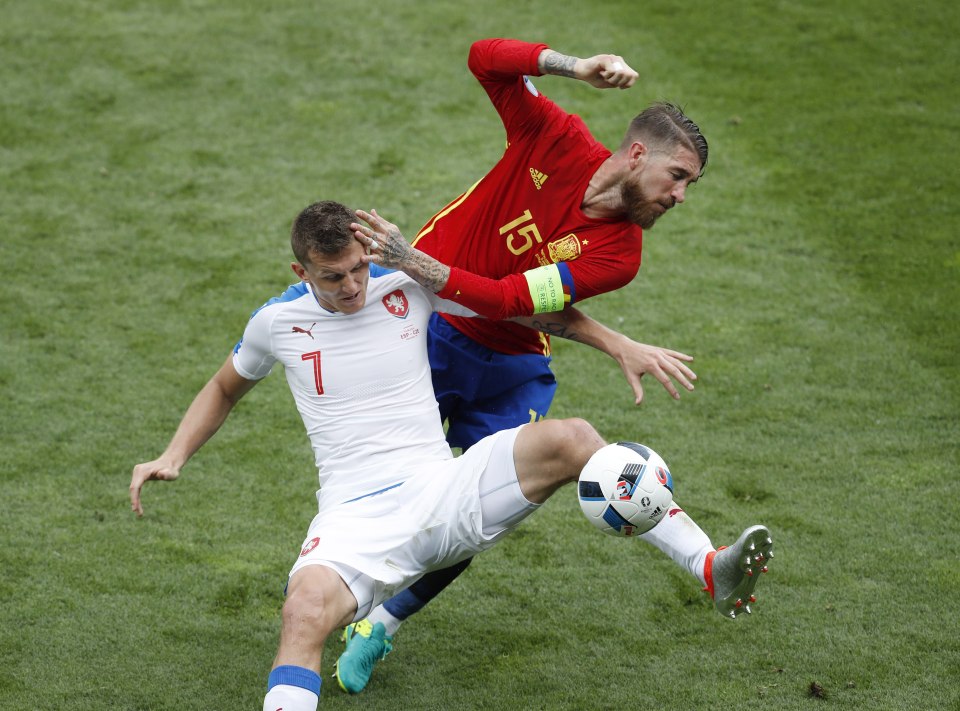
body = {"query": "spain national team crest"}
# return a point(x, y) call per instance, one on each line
point(396, 303)
point(565, 249)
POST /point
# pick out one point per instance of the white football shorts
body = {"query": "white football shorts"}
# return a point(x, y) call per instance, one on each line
point(447, 512)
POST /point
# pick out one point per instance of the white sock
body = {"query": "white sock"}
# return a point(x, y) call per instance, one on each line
point(391, 623)
point(680, 538)
point(290, 698)
point(292, 688)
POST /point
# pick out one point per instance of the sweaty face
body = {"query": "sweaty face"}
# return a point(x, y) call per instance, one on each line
point(657, 183)
point(339, 281)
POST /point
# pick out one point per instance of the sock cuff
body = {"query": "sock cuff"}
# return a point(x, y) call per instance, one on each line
point(295, 676)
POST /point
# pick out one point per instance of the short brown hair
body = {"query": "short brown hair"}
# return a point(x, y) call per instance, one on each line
point(666, 125)
point(323, 227)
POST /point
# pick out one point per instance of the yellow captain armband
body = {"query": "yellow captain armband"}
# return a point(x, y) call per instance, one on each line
point(546, 289)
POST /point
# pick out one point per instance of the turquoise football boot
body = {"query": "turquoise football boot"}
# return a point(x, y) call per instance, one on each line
point(367, 644)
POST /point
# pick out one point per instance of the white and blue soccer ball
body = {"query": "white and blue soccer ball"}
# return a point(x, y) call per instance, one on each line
point(625, 489)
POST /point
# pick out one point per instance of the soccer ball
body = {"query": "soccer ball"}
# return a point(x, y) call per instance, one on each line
point(625, 489)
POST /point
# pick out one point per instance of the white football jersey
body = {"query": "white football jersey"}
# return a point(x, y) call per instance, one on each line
point(360, 381)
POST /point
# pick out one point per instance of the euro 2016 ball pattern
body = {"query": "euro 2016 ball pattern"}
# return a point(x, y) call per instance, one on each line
point(625, 489)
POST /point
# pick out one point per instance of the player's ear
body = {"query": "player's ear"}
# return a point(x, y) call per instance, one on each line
point(299, 270)
point(637, 153)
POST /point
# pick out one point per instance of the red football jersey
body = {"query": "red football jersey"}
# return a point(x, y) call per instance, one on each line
point(525, 213)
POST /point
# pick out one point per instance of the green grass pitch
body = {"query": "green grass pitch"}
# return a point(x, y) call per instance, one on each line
point(152, 156)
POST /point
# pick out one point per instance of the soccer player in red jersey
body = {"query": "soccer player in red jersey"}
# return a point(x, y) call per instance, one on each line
point(558, 219)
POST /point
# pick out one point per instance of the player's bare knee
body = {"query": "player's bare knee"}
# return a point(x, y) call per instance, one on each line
point(305, 612)
point(573, 442)
point(551, 453)
point(580, 442)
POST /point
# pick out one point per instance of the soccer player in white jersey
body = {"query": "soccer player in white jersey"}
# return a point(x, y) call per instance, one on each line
point(393, 502)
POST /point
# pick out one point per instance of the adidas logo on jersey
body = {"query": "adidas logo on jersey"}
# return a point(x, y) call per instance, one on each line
point(538, 178)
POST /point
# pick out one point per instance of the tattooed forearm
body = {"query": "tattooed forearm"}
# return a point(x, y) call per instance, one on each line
point(396, 252)
point(574, 325)
point(426, 271)
point(560, 329)
point(558, 64)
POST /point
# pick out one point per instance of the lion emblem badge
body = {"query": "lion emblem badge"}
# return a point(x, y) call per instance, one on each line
point(396, 303)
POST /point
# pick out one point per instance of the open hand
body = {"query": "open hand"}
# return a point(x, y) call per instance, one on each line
point(662, 363)
point(387, 246)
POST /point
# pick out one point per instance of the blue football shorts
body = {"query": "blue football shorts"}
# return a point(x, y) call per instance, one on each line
point(481, 391)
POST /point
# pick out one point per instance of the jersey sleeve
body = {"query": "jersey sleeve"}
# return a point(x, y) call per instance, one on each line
point(539, 290)
point(543, 289)
point(446, 306)
point(501, 67)
point(607, 269)
point(253, 356)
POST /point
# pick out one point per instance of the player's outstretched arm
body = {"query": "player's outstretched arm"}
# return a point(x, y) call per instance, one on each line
point(635, 359)
point(203, 418)
point(603, 71)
